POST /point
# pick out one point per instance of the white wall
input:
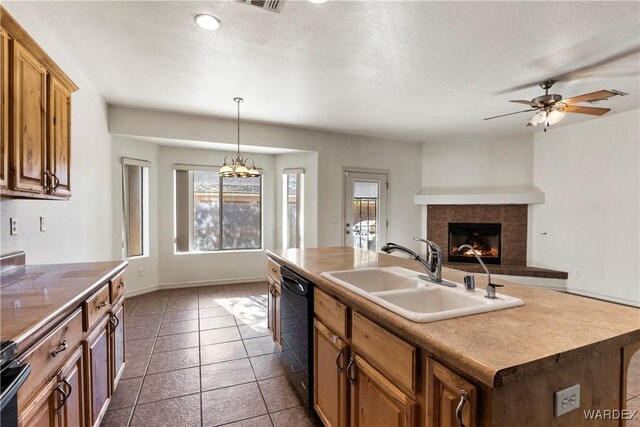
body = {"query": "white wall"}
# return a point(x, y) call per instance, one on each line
point(335, 151)
point(590, 175)
point(478, 163)
point(78, 229)
point(309, 162)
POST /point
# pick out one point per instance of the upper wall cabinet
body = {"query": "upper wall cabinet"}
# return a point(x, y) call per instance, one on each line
point(36, 119)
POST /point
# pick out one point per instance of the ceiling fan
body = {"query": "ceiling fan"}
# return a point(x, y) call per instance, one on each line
point(551, 108)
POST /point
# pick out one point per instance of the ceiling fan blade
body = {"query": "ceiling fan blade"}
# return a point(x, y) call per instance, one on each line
point(509, 114)
point(586, 110)
point(577, 72)
point(521, 101)
point(601, 94)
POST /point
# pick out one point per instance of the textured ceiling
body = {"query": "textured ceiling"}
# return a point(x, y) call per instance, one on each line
point(416, 71)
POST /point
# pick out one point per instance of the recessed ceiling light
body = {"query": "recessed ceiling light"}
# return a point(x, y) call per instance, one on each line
point(208, 22)
point(318, 1)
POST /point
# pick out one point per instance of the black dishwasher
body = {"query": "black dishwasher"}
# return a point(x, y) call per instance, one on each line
point(296, 314)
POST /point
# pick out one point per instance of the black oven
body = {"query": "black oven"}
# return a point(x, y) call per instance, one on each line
point(13, 376)
point(296, 313)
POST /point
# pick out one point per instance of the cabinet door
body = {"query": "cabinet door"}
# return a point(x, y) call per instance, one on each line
point(273, 311)
point(329, 376)
point(445, 391)
point(375, 401)
point(117, 343)
point(40, 412)
point(98, 371)
point(59, 142)
point(29, 155)
point(71, 412)
point(4, 109)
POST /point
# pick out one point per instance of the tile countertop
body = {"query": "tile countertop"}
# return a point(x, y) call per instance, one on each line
point(495, 348)
point(34, 296)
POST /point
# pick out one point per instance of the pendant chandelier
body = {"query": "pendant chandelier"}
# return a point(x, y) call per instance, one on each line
point(239, 167)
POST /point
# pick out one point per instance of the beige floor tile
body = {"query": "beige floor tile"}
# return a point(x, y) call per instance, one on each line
point(126, 393)
point(117, 417)
point(263, 421)
point(215, 336)
point(279, 394)
point(230, 404)
point(181, 411)
point(176, 342)
point(295, 417)
point(174, 316)
point(170, 384)
point(172, 360)
point(261, 345)
point(222, 352)
point(225, 374)
point(274, 365)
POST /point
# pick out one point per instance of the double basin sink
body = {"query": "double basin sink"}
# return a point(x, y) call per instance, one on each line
point(405, 293)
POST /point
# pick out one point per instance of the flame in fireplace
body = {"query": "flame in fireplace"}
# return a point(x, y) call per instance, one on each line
point(493, 252)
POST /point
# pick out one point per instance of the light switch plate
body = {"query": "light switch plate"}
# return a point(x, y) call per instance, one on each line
point(43, 224)
point(566, 400)
point(13, 226)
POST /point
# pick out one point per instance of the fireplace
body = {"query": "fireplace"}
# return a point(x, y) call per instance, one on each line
point(484, 238)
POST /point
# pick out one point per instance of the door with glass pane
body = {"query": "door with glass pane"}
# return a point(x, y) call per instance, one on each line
point(365, 210)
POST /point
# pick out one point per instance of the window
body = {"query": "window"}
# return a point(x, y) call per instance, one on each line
point(135, 190)
point(292, 218)
point(215, 213)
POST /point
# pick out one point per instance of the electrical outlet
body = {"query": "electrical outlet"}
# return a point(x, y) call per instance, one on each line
point(140, 272)
point(567, 400)
point(43, 224)
point(13, 226)
point(576, 272)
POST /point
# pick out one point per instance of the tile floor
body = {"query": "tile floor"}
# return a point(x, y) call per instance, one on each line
point(204, 357)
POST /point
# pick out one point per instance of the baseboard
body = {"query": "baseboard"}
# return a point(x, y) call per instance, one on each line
point(136, 292)
point(609, 298)
point(218, 282)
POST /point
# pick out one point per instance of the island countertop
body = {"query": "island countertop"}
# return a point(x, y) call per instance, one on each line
point(34, 296)
point(550, 330)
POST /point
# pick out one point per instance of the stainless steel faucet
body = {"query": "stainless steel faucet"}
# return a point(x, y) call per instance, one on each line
point(432, 266)
point(491, 287)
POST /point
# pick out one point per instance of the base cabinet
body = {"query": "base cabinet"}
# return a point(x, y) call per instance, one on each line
point(70, 410)
point(116, 341)
point(98, 361)
point(273, 311)
point(41, 410)
point(375, 400)
point(330, 377)
point(452, 401)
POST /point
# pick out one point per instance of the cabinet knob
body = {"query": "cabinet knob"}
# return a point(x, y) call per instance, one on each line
point(62, 347)
point(464, 397)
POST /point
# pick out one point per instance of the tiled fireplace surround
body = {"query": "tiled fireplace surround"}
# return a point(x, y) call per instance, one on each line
point(512, 217)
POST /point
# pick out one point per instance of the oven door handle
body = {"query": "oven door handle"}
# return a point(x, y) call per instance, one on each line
point(293, 286)
point(10, 390)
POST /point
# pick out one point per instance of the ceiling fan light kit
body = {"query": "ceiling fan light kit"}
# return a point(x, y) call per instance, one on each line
point(551, 108)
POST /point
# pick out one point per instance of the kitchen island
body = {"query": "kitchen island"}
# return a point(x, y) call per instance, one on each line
point(510, 362)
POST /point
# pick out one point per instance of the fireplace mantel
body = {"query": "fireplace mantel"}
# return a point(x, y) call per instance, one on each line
point(523, 195)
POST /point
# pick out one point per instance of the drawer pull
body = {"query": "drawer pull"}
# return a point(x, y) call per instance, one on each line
point(114, 323)
point(464, 397)
point(338, 359)
point(121, 285)
point(101, 304)
point(352, 380)
point(63, 399)
point(62, 347)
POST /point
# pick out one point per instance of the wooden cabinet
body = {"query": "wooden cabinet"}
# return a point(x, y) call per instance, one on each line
point(59, 142)
point(273, 311)
point(28, 105)
point(99, 372)
point(375, 400)
point(4, 109)
point(330, 378)
point(70, 410)
point(40, 412)
point(116, 340)
point(36, 118)
point(451, 400)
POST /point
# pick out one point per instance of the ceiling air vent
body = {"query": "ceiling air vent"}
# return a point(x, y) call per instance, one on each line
point(272, 5)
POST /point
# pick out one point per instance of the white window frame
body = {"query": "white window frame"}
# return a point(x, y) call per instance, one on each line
point(299, 172)
point(146, 166)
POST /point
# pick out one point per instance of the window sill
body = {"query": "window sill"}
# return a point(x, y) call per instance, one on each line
point(137, 257)
point(229, 251)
